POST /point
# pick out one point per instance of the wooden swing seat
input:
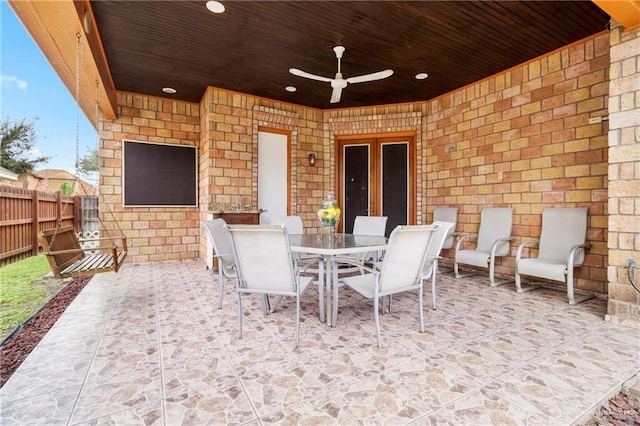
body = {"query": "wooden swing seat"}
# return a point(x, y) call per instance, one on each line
point(68, 259)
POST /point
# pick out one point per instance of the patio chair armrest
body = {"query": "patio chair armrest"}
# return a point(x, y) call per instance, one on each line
point(462, 237)
point(574, 250)
point(302, 265)
point(223, 255)
point(497, 242)
point(521, 246)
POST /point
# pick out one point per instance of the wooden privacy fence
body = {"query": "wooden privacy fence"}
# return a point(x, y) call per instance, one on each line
point(24, 212)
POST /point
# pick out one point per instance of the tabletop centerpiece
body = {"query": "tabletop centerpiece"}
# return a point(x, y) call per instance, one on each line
point(329, 215)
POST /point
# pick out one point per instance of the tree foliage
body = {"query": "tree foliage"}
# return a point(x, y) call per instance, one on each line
point(66, 188)
point(89, 163)
point(17, 144)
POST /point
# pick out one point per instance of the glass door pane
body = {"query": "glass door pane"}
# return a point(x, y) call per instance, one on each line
point(394, 183)
point(356, 189)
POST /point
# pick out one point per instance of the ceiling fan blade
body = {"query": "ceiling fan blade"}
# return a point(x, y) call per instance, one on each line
point(301, 73)
point(370, 77)
point(335, 95)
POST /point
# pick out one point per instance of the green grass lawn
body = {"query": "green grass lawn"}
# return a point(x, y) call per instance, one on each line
point(23, 290)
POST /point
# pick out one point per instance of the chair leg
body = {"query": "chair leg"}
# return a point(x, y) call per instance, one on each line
point(240, 315)
point(420, 310)
point(376, 316)
point(273, 308)
point(220, 286)
point(321, 281)
point(492, 275)
point(266, 305)
point(519, 287)
point(334, 281)
point(433, 287)
point(573, 300)
point(457, 273)
point(298, 318)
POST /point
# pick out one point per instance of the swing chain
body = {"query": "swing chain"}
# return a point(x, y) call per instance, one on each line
point(98, 131)
point(79, 59)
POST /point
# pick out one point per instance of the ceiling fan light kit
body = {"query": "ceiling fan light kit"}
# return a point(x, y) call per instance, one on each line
point(338, 82)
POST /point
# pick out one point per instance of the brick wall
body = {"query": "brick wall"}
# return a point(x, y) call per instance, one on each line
point(624, 173)
point(153, 233)
point(523, 139)
point(519, 138)
point(230, 124)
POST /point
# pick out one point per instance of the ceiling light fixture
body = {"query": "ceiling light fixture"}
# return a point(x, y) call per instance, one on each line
point(169, 90)
point(86, 22)
point(215, 6)
point(421, 76)
point(290, 89)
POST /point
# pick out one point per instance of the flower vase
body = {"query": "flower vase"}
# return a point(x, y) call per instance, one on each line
point(329, 229)
point(329, 216)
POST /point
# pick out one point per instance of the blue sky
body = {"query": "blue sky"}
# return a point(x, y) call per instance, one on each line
point(31, 88)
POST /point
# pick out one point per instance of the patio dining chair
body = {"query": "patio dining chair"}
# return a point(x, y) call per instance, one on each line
point(293, 224)
point(430, 268)
point(362, 225)
point(492, 240)
point(447, 214)
point(264, 266)
point(400, 271)
point(561, 248)
point(220, 239)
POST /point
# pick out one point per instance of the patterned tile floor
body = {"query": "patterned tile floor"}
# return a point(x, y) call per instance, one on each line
point(148, 346)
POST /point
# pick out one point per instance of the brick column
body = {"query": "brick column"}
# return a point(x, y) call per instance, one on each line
point(624, 174)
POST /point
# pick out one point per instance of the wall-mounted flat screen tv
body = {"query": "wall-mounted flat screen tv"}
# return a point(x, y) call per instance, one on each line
point(156, 174)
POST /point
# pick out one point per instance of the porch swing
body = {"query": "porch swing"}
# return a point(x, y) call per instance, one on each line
point(67, 258)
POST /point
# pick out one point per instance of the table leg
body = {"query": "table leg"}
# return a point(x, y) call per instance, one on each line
point(329, 274)
point(321, 286)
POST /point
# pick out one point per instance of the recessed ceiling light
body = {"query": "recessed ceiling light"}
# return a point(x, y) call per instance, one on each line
point(215, 6)
point(170, 90)
point(421, 76)
point(290, 89)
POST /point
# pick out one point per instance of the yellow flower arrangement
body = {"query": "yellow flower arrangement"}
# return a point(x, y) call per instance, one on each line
point(329, 216)
point(329, 213)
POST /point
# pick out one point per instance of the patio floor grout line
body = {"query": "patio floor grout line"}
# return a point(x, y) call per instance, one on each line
point(163, 396)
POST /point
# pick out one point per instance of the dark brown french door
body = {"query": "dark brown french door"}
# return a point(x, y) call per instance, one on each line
point(376, 178)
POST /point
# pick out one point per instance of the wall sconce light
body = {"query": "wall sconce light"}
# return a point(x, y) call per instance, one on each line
point(312, 159)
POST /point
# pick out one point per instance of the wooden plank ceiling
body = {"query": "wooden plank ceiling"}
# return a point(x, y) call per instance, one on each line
point(251, 46)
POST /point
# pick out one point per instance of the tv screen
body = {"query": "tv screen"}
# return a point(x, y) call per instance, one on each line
point(157, 174)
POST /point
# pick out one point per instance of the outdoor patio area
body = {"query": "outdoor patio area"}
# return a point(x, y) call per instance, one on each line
point(149, 346)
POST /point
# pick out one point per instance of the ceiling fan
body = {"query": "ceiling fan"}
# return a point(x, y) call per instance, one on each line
point(338, 83)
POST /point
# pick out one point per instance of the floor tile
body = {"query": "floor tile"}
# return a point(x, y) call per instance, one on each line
point(149, 346)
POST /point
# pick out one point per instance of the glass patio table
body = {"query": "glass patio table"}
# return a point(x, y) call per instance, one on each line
point(329, 246)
